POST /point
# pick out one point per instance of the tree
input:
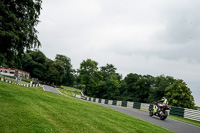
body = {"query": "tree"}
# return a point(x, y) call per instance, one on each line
point(108, 70)
point(111, 87)
point(13, 62)
point(89, 76)
point(35, 62)
point(129, 87)
point(111, 82)
point(52, 75)
point(145, 83)
point(159, 84)
point(136, 87)
point(18, 19)
point(179, 95)
point(68, 78)
point(59, 65)
point(2, 60)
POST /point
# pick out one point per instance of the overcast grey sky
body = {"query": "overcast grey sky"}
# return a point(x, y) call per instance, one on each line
point(144, 37)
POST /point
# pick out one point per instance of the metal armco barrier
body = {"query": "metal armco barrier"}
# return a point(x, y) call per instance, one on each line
point(130, 104)
point(124, 103)
point(119, 103)
point(144, 106)
point(99, 100)
point(177, 111)
point(106, 101)
point(94, 100)
point(114, 102)
point(110, 102)
point(103, 101)
point(136, 105)
point(192, 114)
point(150, 106)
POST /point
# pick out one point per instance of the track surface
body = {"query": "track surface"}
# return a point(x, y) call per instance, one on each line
point(51, 89)
point(171, 124)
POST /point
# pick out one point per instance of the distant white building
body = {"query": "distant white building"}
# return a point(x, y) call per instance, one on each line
point(14, 72)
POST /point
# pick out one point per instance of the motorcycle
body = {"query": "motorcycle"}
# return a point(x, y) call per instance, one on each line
point(159, 110)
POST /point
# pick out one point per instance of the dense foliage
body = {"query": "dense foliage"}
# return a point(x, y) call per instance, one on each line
point(179, 95)
point(68, 72)
point(55, 72)
point(18, 19)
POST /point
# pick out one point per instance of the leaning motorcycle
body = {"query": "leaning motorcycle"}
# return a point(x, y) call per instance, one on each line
point(159, 110)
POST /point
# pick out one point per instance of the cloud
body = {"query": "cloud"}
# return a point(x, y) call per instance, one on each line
point(181, 29)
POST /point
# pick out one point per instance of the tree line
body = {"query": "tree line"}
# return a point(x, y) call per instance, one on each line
point(104, 82)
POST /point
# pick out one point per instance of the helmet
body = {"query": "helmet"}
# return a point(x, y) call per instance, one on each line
point(163, 98)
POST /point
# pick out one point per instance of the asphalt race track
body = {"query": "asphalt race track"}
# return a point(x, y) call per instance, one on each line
point(171, 124)
point(51, 89)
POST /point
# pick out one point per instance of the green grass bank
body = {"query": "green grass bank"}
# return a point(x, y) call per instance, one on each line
point(30, 109)
point(196, 123)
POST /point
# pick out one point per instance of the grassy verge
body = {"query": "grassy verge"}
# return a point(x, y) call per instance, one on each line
point(30, 109)
point(196, 123)
point(68, 92)
point(71, 88)
point(27, 80)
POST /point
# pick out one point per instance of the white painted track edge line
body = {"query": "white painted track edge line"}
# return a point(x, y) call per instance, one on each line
point(58, 91)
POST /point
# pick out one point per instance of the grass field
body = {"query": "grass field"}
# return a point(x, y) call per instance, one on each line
point(28, 109)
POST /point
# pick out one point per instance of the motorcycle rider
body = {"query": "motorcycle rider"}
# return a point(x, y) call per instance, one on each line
point(162, 101)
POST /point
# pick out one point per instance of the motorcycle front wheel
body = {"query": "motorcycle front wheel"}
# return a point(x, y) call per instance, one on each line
point(164, 115)
point(151, 112)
